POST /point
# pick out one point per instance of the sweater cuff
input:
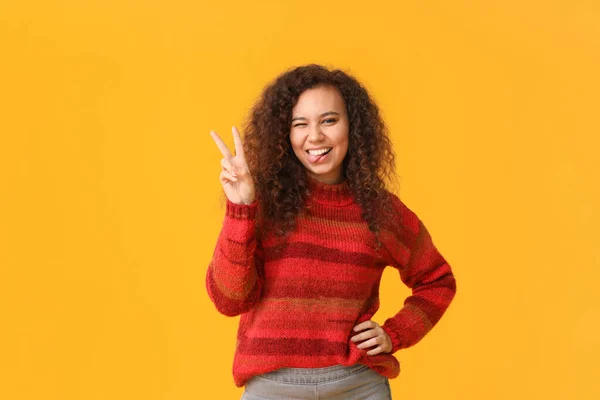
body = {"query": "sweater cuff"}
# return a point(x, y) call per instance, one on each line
point(394, 337)
point(241, 211)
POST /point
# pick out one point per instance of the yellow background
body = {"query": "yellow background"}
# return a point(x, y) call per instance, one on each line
point(110, 203)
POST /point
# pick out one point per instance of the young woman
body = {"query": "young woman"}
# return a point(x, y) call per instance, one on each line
point(309, 227)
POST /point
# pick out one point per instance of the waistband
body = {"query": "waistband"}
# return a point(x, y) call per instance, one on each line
point(301, 376)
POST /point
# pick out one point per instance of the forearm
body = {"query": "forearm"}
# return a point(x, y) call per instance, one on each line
point(232, 279)
point(422, 310)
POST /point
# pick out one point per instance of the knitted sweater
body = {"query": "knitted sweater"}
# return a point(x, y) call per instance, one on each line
point(299, 305)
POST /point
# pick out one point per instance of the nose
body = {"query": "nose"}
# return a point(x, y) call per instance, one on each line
point(315, 134)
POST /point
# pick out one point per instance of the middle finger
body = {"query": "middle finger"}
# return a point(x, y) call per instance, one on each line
point(369, 343)
point(364, 335)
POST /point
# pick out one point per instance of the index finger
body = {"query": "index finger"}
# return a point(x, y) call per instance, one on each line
point(237, 140)
point(364, 325)
point(221, 145)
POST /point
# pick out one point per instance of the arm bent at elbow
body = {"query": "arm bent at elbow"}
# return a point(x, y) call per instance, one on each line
point(430, 277)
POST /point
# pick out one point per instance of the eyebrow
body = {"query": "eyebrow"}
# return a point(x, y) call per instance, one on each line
point(322, 115)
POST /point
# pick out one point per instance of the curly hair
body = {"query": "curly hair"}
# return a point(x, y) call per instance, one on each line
point(280, 178)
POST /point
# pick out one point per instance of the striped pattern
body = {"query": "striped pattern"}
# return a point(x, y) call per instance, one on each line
point(298, 306)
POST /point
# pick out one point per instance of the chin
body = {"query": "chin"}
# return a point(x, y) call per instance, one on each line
point(319, 171)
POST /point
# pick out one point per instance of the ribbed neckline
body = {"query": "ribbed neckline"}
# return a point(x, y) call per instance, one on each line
point(338, 194)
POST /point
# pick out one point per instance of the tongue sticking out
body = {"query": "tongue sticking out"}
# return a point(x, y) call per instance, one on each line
point(314, 159)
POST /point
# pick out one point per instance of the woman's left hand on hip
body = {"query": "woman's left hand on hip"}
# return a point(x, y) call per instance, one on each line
point(373, 335)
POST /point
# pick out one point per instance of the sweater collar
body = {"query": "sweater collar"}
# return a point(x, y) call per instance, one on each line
point(329, 194)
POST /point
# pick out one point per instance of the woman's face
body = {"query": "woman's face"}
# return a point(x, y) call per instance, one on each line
point(319, 133)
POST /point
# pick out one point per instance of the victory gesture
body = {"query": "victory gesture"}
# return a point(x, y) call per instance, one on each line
point(235, 174)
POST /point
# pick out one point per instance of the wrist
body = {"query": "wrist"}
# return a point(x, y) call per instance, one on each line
point(241, 210)
point(394, 338)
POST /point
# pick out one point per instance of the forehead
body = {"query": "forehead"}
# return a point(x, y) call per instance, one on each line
point(318, 100)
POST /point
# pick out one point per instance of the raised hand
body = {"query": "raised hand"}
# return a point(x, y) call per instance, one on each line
point(235, 175)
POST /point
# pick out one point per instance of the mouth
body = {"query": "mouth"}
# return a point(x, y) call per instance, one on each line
point(315, 156)
point(319, 152)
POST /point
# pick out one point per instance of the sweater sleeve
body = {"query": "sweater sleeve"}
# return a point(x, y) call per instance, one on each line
point(233, 278)
point(425, 271)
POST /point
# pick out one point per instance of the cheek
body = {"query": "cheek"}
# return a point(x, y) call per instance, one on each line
point(344, 151)
point(343, 143)
point(296, 144)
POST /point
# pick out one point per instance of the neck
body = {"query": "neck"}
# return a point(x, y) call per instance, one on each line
point(335, 194)
point(330, 180)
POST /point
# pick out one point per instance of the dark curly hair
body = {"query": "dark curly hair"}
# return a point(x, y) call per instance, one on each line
point(280, 178)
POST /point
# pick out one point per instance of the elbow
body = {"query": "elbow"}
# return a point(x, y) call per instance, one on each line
point(449, 281)
point(451, 284)
point(232, 310)
point(447, 289)
point(442, 289)
point(232, 307)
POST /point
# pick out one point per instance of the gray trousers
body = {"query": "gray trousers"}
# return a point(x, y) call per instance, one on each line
point(357, 382)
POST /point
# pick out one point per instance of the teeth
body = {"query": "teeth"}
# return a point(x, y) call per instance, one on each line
point(318, 152)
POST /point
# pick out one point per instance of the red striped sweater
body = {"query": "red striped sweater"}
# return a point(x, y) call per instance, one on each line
point(298, 306)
